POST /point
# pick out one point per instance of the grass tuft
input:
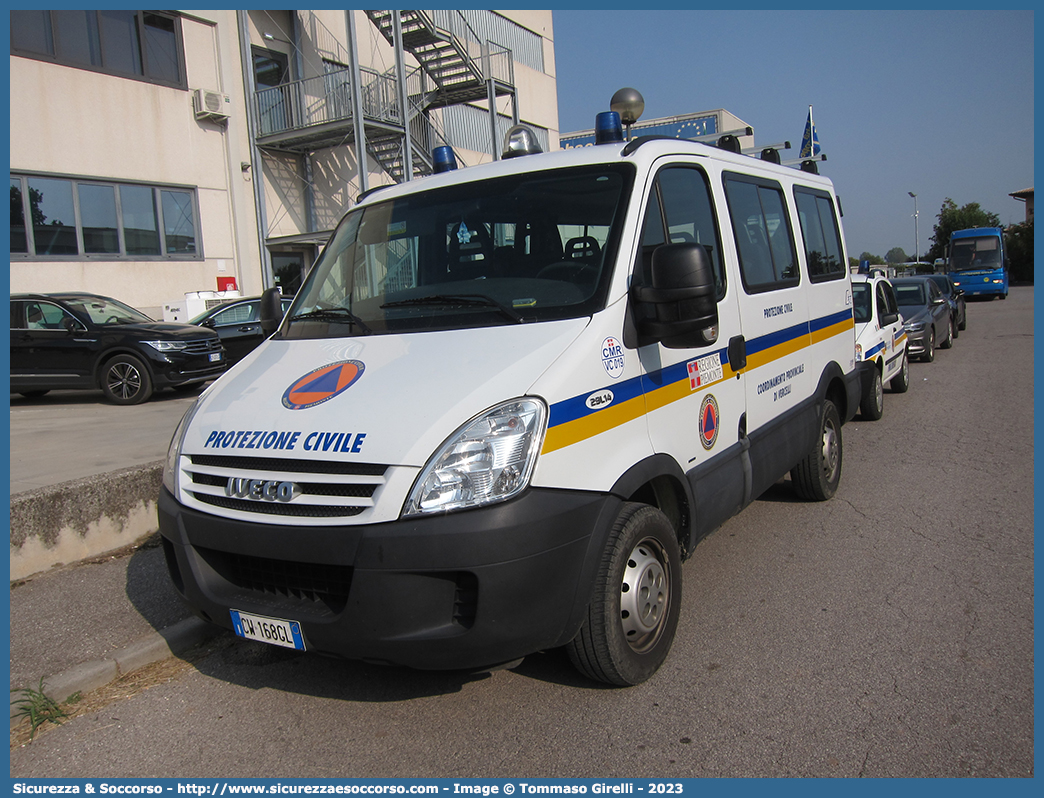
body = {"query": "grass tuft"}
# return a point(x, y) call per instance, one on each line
point(38, 707)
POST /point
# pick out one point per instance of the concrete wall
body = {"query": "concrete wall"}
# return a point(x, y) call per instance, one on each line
point(83, 518)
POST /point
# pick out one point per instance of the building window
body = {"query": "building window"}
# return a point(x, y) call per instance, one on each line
point(81, 219)
point(145, 45)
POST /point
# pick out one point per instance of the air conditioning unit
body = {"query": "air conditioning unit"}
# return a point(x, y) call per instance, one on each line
point(211, 104)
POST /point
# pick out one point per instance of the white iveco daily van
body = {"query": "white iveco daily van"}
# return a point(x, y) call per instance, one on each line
point(509, 400)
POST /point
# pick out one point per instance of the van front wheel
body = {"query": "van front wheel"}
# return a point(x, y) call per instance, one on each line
point(817, 476)
point(872, 406)
point(633, 614)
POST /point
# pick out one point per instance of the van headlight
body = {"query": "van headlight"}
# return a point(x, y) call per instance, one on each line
point(170, 465)
point(488, 460)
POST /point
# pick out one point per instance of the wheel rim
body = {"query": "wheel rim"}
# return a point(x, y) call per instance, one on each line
point(831, 451)
point(906, 369)
point(879, 393)
point(645, 595)
point(124, 380)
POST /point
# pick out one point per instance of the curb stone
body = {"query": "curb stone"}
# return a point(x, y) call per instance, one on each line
point(153, 647)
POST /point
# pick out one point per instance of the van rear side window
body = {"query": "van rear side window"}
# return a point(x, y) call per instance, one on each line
point(763, 235)
point(821, 235)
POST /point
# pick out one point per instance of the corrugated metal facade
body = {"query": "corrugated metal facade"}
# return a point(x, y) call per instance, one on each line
point(467, 127)
point(526, 46)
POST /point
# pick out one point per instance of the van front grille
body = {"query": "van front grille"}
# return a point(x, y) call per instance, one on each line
point(270, 487)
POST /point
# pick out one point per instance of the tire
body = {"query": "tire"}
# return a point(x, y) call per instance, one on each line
point(872, 406)
point(633, 615)
point(1003, 296)
point(963, 325)
point(948, 340)
point(900, 383)
point(35, 394)
point(126, 381)
point(929, 351)
point(817, 476)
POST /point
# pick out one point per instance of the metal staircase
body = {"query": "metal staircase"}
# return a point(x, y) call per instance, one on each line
point(306, 115)
point(462, 68)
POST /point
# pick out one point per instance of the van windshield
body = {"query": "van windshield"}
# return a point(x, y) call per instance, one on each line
point(861, 309)
point(532, 247)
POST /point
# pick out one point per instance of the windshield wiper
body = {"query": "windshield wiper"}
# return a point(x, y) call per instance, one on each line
point(340, 315)
point(458, 300)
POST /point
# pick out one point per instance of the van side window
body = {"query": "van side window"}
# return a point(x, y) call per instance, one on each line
point(821, 235)
point(893, 305)
point(882, 302)
point(763, 236)
point(680, 211)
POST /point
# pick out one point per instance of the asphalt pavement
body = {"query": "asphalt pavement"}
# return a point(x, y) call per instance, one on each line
point(81, 625)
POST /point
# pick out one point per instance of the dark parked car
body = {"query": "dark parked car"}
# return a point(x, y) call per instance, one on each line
point(239, 325)
point(926, 316)
point(955, 296)
point(75, 340)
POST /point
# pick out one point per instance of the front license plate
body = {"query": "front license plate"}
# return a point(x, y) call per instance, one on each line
point(215, 357)
point(268, 630)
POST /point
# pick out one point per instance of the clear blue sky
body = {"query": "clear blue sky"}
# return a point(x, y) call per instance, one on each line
point(939, 103)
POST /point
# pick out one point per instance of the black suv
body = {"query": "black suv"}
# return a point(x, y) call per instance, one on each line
point(75, 340)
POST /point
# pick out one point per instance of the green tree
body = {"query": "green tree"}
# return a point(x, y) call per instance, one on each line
point(1018, 243)
point(896, 255)
point(953, 218)
point(875, 260)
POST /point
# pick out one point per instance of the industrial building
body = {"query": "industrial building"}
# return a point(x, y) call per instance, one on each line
point(158, 153)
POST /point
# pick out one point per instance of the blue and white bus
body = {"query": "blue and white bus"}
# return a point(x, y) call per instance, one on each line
point(977, 262)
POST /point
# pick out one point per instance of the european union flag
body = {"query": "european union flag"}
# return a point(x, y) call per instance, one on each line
point(810, 140)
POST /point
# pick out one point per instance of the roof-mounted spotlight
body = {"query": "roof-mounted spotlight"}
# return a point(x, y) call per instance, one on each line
point(443, 159)
point(629, 104)
point(520, 140)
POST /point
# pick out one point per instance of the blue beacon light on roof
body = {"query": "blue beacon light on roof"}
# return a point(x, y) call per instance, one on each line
point(444, 159)
point(608, 128)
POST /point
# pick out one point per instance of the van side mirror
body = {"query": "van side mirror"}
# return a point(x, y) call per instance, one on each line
point(271, 310)
point(679, 308)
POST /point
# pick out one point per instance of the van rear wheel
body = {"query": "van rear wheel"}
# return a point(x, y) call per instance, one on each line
point(817, 476)
point(633, 614)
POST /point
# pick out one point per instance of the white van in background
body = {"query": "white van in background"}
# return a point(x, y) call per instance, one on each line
point(881, 342)
point(509, 401)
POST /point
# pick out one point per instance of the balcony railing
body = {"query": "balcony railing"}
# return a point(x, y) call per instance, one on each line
point(324, 99)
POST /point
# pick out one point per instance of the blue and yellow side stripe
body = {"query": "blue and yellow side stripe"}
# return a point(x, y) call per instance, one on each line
point(572, 421)
point(897, 339)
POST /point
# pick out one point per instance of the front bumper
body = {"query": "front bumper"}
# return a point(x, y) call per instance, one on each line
point(177, 369)
point(460, 590)
point(917, 342)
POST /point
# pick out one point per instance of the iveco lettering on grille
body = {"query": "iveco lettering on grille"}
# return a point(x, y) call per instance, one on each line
point(269, 490)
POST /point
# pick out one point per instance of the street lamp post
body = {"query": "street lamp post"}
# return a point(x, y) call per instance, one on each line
point(917, 237)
